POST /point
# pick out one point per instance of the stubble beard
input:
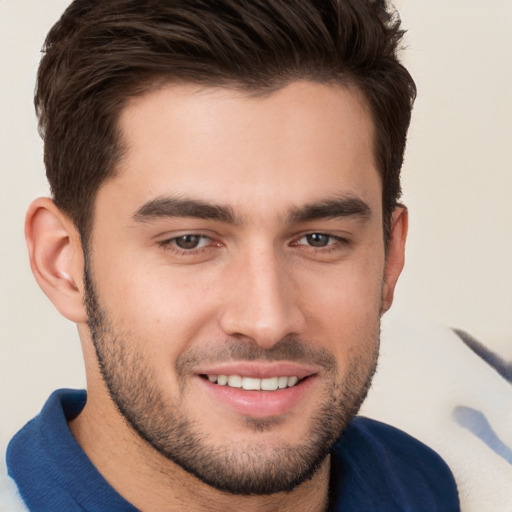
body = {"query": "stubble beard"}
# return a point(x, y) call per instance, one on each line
point(242, 470)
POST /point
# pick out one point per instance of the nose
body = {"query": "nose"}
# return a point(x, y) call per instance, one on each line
point(262, 303)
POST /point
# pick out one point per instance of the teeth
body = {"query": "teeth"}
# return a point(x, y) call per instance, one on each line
point(270, 384)
point(282, 382)
point(222, 380)
point(235, 381)
point(252, 384)
point(292, 381)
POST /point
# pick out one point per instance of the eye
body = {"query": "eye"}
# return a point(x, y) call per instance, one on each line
point(321, 244)
point(189, 242)
point(318, 239)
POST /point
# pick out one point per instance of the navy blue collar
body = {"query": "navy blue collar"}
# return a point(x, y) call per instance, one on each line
point(374, 468)
point(51, 469)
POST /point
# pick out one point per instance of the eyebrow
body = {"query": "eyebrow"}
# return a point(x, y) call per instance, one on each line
point(344, 207)
point(162, 207)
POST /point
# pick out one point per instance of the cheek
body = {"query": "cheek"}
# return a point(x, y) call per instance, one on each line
point(344, 305)
point(354, 287)
point(159, 309)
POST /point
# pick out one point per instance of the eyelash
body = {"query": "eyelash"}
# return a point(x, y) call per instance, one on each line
point(170, 244)
point(335, 243)
point(339, 242)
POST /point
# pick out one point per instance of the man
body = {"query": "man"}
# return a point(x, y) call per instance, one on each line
point(225, 232)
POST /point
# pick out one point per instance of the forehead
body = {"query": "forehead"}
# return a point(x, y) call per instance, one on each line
point(299, 144)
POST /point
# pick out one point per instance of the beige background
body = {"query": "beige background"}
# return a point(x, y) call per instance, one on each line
point(457, 183)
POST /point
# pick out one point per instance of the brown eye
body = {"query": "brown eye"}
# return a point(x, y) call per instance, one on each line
point(318, 239)
point(189, 241)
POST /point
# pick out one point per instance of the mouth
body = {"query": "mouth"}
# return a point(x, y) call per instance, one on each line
point(253, 383)
point(259, 390)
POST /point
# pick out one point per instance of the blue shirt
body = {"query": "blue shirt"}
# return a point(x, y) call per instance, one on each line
point(374, 468)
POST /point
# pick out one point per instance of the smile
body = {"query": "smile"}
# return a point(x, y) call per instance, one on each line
point(258, 389)
point(252, 383)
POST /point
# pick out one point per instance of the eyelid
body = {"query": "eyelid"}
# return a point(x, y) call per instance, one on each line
point(337, 238)
point(169, 242)
point(172, 234)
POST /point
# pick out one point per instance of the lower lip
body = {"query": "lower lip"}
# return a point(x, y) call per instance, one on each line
point(259, 404)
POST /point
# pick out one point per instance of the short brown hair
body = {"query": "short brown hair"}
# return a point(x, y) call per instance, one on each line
point(101, 52)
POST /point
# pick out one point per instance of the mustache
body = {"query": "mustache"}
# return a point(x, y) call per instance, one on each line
point(240, 350)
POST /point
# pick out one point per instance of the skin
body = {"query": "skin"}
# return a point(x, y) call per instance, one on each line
point(254, 280)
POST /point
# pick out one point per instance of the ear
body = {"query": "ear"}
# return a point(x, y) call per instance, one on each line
point(395, 257)
point(56, 257)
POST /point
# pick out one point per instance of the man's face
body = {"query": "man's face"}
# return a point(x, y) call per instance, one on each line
point(240, 241)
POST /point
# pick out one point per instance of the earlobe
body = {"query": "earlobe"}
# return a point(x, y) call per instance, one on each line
point(56, 257)
point(395, 257)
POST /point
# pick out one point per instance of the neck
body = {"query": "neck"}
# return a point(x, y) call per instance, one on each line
point(152, 483)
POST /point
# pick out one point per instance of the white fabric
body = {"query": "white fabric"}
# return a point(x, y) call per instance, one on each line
point(10, 500)
point(430, 384)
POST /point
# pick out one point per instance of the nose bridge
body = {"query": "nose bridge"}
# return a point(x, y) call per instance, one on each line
point(262, 304)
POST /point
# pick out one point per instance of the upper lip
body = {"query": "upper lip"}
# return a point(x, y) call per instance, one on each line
point(259, 370)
